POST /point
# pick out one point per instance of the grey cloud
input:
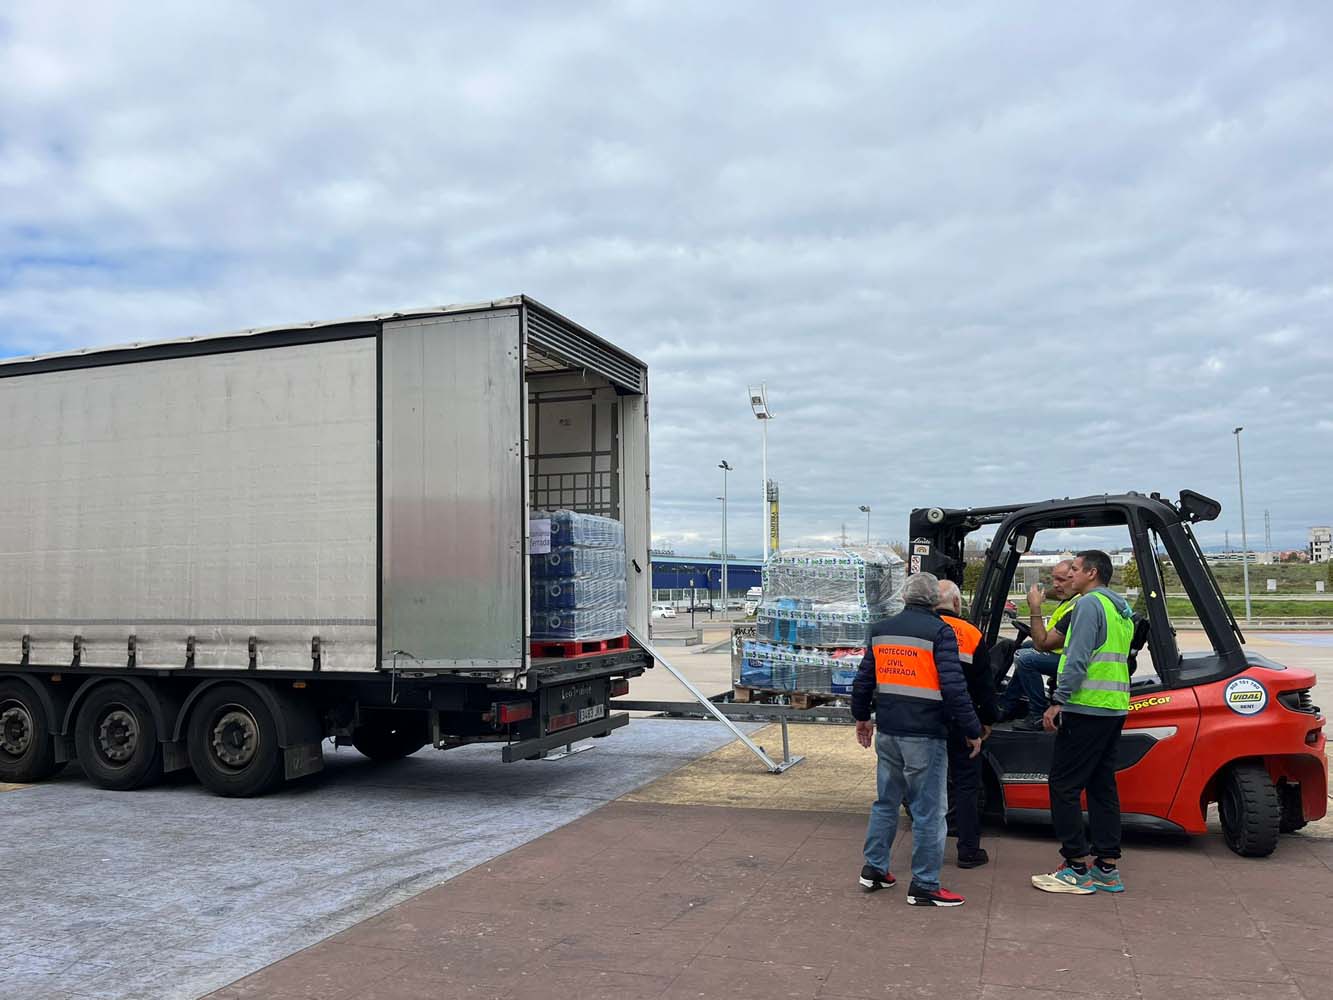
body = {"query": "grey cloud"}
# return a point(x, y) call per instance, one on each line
point(966, 245)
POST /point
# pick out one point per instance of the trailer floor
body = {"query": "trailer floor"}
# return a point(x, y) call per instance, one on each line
point(171, 892)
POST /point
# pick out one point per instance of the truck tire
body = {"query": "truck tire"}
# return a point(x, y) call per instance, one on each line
point(1293, 813)
point(1251, 814)
point(391, 739)
point(233, 742)
point(27, 745)
point(116, 738)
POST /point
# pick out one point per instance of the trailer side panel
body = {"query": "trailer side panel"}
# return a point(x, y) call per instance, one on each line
point(197, 502)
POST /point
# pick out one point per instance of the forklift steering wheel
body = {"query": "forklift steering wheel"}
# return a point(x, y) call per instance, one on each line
point(1024, 630)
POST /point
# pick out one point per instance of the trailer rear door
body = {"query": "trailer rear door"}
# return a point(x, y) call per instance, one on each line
point(453, 517)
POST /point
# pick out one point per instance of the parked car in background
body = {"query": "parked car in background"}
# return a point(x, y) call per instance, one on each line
point(702, 606)
point(664, 611)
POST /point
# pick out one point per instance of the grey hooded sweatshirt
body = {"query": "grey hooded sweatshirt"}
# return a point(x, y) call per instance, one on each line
point(1087, 631)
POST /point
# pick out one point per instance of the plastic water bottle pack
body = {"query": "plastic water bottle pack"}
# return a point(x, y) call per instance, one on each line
point(578, 586)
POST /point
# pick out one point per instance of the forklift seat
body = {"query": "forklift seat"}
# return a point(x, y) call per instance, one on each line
point(1138, 641)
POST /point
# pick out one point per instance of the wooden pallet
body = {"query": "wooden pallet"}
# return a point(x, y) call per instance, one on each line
point(578, 647)
point(799, 699)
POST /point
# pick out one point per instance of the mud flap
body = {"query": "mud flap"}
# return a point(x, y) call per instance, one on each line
point(175, 756)
point(302, 759)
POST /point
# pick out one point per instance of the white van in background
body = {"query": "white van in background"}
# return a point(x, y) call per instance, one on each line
point(752, 598)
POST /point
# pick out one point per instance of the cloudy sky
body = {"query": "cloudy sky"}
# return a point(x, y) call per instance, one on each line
point(980, 253)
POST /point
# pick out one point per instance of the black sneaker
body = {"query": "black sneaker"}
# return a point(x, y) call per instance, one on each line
point(974, 860)
point(872, 880)
point(920, 896)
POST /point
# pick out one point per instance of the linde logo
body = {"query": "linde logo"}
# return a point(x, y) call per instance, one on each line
point(1245, 696)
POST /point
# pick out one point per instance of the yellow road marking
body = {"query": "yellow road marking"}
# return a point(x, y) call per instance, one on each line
point(4, 787)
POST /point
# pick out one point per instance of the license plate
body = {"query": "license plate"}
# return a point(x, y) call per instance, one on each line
point(592, 712)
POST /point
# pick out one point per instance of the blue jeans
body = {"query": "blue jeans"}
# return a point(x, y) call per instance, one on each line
point(914, 769)
point(1031, 668)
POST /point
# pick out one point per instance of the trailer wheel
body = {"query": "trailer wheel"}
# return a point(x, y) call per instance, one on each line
point(233, 742)
point(116, 738)
point(1293, 812)
point(27, 745)
point(391, 739)
point(1251, 815)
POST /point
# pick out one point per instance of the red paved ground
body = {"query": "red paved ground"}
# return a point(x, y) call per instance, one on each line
point(675, 901)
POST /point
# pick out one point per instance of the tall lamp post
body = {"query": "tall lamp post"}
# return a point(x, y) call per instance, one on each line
point(725, 469)
point(1244, 542)
point(759, 405)
point(866, 511)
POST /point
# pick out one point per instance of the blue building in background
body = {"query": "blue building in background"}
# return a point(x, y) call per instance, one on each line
point(672, 576)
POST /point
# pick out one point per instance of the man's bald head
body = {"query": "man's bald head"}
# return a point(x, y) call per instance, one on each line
point(1061, 578)
point(950, 599)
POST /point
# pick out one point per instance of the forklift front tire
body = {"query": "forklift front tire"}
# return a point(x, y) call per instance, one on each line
point(1250, 811)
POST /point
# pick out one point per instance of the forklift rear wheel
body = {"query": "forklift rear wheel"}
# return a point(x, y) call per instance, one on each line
point(385, 740)
point(1251, 814)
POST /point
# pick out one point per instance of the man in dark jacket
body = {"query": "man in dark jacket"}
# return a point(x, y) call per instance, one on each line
point(911, 676)
point(965, 773)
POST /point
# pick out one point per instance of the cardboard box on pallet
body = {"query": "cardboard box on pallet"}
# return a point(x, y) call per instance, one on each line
point(817, 609)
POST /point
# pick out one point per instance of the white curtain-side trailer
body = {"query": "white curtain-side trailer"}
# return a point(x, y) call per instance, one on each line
point(217, 552)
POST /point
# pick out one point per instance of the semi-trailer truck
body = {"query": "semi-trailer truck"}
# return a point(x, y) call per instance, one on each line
point(217, 552)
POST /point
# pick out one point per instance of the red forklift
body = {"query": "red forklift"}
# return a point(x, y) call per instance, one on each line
point(1224, 725)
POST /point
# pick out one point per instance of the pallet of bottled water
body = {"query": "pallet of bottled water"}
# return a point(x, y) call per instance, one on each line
point(812, 626)
point(577, 577)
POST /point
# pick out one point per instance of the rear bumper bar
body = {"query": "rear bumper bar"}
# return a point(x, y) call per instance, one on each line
point(535, 747)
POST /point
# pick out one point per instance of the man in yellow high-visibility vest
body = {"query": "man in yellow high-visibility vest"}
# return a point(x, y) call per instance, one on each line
point(1034, 663)
point(1089, 707)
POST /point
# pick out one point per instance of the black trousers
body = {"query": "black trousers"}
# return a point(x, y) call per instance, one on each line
point(964, 795)
point(1084, 760)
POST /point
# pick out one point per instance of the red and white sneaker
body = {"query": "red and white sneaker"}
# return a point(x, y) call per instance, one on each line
point(918, 895)
point(872, 880)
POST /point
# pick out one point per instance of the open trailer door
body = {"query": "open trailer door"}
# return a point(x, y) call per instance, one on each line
point(453, 508)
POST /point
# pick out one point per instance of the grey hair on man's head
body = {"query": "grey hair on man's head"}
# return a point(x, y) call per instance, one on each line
point(922, 588)
point(949, 597)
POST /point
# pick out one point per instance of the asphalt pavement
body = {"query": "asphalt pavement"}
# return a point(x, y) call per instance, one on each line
point(170, 892)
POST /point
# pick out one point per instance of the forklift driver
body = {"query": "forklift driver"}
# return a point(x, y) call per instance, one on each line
point(1034, 663)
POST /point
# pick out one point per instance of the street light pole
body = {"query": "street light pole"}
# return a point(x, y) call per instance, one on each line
point(866, 511)
point(1244, 542)
point(725, 469)
point(759, 406)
